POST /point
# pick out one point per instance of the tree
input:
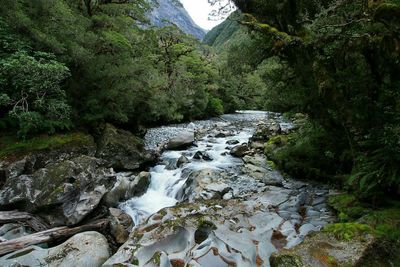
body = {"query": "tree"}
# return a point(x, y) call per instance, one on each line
point(339, 64)
point(30, 89)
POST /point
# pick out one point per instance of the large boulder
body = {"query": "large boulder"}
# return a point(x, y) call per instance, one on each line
point(239, 151)
point(122, 150)
point(262, 133)
point(65, 191)
point(322, 249)
point(182, 140)
point(126, 187)
point(204, 184)
point(84, 249)
point(120, 225)
point(28, 162)
point(258, 168)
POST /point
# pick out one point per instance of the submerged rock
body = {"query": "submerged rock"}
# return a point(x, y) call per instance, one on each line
point(182, 160)
point(232, 142)
point(202, 156)
point(84, 249)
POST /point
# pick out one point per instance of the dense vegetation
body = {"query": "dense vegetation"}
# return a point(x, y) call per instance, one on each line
point(77, 64)
point(339, 63)
point(68, 63)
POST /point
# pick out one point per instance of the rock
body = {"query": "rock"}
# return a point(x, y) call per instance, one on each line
point(29, 162)
point(262, 133)
point(257, 160)
point(182, 161)
point(76, 210)
point(239, 151)
point(220, 188)
point(232, 142)
point(203, 156)
point(122, 150)
point(204, 184)
point(84, 249)
point(13, 230)
point(127, 187)
point(182, 140)
point(286, 260)
point(228, 196)
point(223, 134)
point(266, 176)
point(120, 225)
point(69, 190)
point(272, 179)
point(322, 249)
point(307, 228)
point(275, 129)
point(257, 145)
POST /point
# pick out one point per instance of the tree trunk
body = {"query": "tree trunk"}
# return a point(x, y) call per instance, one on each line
point(18, 216)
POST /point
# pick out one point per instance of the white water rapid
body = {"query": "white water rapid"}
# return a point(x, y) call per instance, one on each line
point(165, 184)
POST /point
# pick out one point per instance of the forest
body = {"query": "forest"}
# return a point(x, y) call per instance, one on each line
point(71, 66)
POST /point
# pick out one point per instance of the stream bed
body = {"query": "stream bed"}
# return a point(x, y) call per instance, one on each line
point(211, 205)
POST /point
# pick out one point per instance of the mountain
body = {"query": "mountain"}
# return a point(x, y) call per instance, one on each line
point(221, 35)
point(166, 12)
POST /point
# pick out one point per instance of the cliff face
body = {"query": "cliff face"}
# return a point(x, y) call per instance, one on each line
point(172, 11)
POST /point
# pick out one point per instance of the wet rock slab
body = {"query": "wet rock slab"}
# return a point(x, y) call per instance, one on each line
point(234, 232)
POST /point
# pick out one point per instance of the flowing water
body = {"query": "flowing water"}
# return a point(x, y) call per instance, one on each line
point(166, 184)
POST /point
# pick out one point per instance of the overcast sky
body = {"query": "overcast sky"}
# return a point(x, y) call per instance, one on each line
point(199, 10)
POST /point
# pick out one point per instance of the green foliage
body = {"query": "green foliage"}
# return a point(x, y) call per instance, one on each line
point(310, 153)
point(215, 106)
point(385, 221)
point(337, 62)
point(224, 32)
point(31, 92)
point(348, 207)
point(122, 71)
point(348, 231)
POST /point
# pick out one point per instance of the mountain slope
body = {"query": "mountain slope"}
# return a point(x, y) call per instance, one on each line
point(172, 11)
point(221, 34)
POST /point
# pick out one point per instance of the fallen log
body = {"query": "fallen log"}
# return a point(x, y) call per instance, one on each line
point(48, 236)
point(19, 216)
point(13, 216)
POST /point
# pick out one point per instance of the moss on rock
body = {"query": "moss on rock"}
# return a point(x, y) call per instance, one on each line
point(10, 146)
point(286, 260)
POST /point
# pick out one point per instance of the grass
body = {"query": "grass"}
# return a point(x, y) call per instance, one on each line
point(11, 146)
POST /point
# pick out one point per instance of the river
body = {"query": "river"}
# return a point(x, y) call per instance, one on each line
point(249, 208)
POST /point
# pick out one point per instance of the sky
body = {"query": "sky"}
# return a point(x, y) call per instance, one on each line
point(199, 10)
